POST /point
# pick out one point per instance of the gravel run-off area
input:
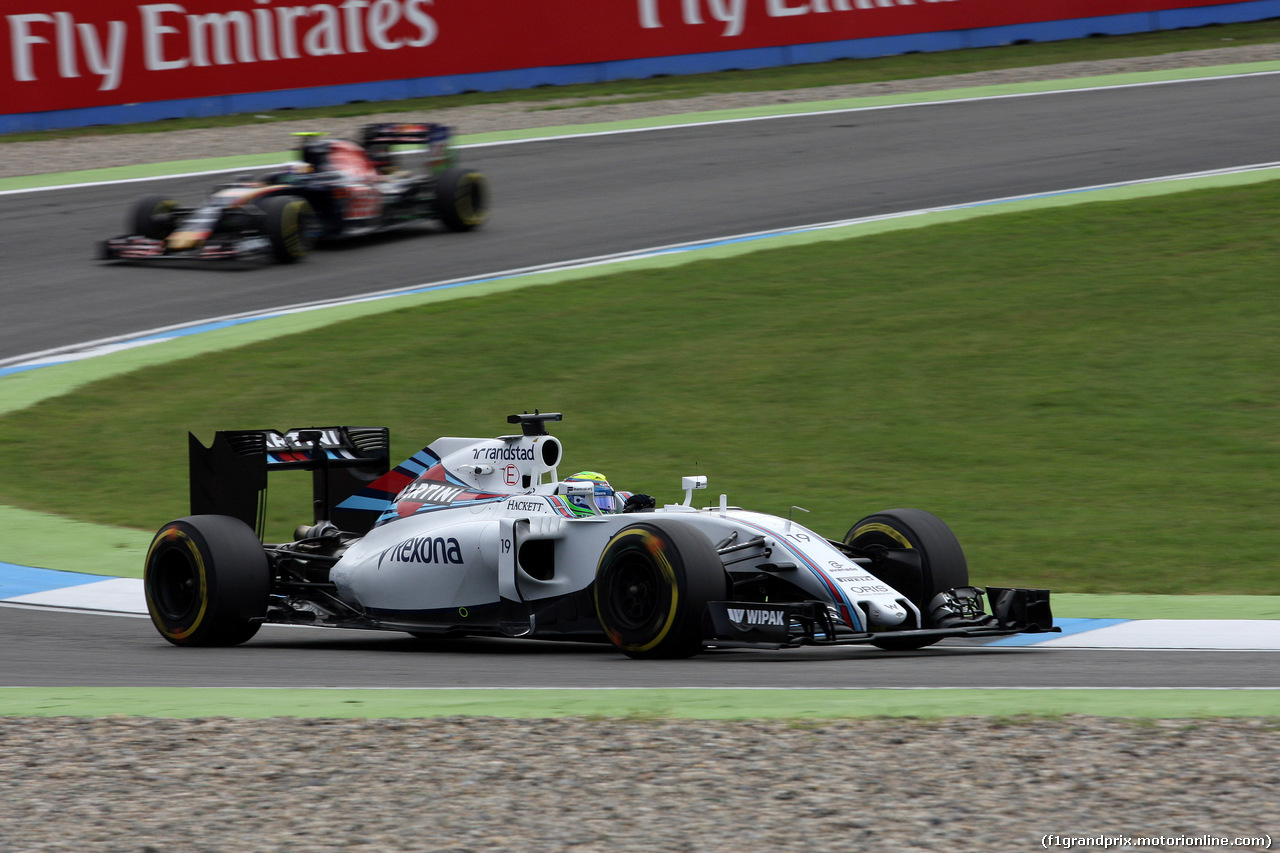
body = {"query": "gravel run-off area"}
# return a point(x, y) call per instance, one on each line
point(273, 133)
point(126, 785)
point(630, 786)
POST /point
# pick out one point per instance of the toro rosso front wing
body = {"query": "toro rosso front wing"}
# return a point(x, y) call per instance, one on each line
point(134, 247)
point(817, 623)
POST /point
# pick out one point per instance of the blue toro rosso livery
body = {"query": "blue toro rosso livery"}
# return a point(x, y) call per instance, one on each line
point(483, 536)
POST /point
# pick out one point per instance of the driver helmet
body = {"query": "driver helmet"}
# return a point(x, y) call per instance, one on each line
point(314, 151)
point(604, 495)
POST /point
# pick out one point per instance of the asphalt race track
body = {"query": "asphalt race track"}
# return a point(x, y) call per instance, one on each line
point(561, 200)
point(43, 648)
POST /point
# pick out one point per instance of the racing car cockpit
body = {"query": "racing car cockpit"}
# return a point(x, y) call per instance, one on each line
point(337, 155)
point(589, 493)
point(313, 149)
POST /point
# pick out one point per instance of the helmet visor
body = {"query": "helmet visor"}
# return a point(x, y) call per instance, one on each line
point(604, 499)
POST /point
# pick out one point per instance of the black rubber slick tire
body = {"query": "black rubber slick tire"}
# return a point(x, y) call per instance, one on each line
point(653, 582)
point(290, 225)
point(462, 198)
point(152, 217)
point(936, 561)
point(207, 581)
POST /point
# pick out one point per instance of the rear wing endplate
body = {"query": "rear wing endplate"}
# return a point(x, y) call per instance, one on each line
point(229, 477)
point(405, 134)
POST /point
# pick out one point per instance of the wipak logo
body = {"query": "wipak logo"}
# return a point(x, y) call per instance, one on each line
point(747, 618)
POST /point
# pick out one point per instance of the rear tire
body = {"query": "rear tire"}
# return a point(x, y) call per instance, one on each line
point(290, 225)
point(942, 565)
point(652, 586)
point(207, 581)
point(462, 198)
point(151, 217)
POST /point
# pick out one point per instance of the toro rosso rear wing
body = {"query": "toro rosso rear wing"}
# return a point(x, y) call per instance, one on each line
point(230, 476)
point(814, 623)
point(404, 134)
point(379, 140)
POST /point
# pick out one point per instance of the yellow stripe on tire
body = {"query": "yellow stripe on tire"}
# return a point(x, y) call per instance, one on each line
point(182, 539)
point(878, 527)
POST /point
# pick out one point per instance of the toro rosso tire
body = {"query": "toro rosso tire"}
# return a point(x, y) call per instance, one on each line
point(652, 586)
point(290, 225)
point(207, 581)
point(462, 198)
point(914, 552)
point(151, 217)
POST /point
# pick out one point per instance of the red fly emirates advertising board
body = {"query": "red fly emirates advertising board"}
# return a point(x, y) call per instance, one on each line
point(67, 54)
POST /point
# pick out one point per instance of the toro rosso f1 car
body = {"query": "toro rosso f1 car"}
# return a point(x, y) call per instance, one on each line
point(339, 189)
point(475, 536)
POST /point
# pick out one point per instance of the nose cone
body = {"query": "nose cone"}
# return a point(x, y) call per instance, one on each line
point(886, 613)
point(182, 240)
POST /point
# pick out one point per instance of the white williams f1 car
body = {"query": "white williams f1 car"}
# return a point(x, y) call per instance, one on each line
point(483, 537)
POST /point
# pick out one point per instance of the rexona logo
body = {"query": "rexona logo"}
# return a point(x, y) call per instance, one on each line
point(424, 549)
point(47, 44)
point(746, 618)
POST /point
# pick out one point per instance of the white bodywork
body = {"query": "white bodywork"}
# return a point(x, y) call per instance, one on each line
point(488, 520)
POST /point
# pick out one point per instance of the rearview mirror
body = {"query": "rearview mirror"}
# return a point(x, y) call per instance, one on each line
point(689, 484)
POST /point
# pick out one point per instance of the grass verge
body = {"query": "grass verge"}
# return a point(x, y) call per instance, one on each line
point(628, 703)
point(1084, 394)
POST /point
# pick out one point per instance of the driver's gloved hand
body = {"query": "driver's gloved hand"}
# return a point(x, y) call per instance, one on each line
point(638, 503)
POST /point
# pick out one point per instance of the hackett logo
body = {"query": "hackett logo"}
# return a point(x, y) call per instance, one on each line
point(54, 44)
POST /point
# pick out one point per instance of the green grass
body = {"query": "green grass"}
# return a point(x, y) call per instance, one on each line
point(804, 707)
point(1087, 395)
point(846, 71)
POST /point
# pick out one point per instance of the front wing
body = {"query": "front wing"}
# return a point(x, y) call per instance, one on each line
point(813, 623)
point(132, 247)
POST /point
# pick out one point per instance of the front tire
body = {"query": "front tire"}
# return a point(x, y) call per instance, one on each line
point(152, 217)
point(290, 224)
point(462, 198)
point(652, 586)
point(914, 552)
point(207, 581)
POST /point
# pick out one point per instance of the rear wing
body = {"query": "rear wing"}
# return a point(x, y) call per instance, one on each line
point(404, 134)
point(229, 477)
point(380, 141)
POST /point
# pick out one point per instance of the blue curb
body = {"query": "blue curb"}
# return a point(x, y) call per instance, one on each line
point(18, 580)
point(1068, 626)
